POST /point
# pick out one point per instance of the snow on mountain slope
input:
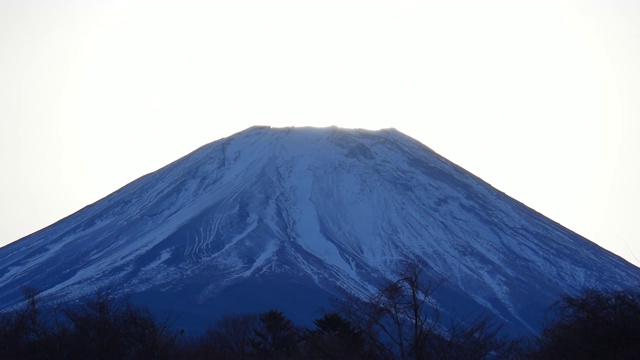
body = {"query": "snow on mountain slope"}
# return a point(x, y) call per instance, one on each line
point(286, 217)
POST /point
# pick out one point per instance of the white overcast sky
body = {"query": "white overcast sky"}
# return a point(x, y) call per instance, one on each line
point(539, 99)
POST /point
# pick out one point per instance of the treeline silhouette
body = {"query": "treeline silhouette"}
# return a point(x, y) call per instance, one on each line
point(398, 322)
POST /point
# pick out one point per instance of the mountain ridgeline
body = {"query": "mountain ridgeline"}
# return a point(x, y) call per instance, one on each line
point(289, 218)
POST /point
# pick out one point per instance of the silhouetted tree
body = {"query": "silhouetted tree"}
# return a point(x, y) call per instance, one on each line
point(474, 338)
point(402, 321)
point(21, 332)
point(108, 327)
point(595, 324)
point(276, 337)
point(399, 320)
point(231, 337)
point(334, 338)
point(31, 332)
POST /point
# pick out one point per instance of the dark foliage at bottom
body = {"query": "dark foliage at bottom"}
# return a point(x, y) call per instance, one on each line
point(593, 325)
point(397, 324)
point(103, 327)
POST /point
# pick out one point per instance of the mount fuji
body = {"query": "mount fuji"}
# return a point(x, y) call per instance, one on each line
point(289, 218)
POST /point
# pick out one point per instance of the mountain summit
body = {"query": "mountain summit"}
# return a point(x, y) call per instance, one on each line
point(287, 218)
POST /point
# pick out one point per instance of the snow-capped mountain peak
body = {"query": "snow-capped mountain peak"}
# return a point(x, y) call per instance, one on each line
point(289, 217)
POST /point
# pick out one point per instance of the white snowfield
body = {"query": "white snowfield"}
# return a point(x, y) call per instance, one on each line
point(327, 208)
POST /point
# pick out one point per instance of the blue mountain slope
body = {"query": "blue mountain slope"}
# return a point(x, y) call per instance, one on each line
point(288, 218)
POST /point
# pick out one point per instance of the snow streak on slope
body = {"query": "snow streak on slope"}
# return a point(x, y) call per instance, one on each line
point(319, 208)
